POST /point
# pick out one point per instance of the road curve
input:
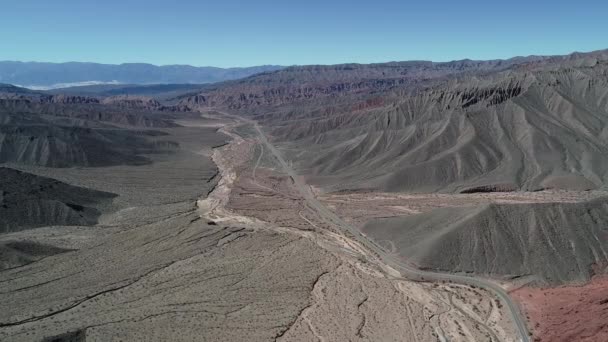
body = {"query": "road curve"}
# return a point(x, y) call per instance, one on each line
point(406, 270)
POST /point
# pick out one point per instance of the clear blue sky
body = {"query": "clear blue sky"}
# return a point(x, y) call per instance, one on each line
point(242, 33)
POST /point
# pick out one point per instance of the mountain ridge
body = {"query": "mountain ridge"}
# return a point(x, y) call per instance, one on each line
point(54, 75)
point(449, 127)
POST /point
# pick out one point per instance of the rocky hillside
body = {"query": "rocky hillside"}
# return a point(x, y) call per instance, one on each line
point(66, 130)
point(525, 123)
point(554, 243)
point(62, 146)
point(301, 83)
point(29, 201)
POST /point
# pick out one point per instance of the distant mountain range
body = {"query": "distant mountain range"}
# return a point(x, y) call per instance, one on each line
point(35, 75)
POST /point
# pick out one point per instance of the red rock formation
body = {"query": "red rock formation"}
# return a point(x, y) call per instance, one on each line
point(567, 313)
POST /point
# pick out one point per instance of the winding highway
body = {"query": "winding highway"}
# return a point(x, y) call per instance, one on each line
point(388, 259)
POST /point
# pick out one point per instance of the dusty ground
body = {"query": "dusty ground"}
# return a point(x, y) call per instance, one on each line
point(154, 270)
point(357, 300)
point(568, 313)
point(246, 261)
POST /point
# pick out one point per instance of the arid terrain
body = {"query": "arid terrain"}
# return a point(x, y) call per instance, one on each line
point(271, 270)
point(584, 304)
point(494, 170)
point(410, 201)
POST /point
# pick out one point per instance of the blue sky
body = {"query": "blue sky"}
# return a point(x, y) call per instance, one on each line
point(243, 33)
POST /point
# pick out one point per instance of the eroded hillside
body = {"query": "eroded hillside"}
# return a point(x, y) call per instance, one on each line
point(555, 243)
point(518, 125)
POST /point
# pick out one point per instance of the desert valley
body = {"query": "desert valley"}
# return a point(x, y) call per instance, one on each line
point(410, 201)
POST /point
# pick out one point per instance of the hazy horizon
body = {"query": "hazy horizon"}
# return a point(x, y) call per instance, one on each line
point(233, 34)
point(279, 65)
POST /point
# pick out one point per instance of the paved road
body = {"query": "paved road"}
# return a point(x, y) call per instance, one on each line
point(407, 271)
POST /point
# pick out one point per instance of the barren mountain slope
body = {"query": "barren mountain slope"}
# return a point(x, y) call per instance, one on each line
point(554, 242)
point(167, 267)
point(32, 201)
point(304, 83)
point(241, 251)
point(140, 113)
point(512, 131)
point(159, 91)
point(63, 131)
point(522, 124)
point(301, 84)
point(60, 146)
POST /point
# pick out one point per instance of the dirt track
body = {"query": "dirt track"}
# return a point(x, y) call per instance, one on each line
point(252, 259)
point(332, 232)
point(408, 271)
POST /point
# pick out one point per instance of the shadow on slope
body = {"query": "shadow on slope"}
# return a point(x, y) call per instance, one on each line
point(516, 130)
point(137, 112)
point(29, 201)
point(18, 253)
point(39, 140)
point(555, 242)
